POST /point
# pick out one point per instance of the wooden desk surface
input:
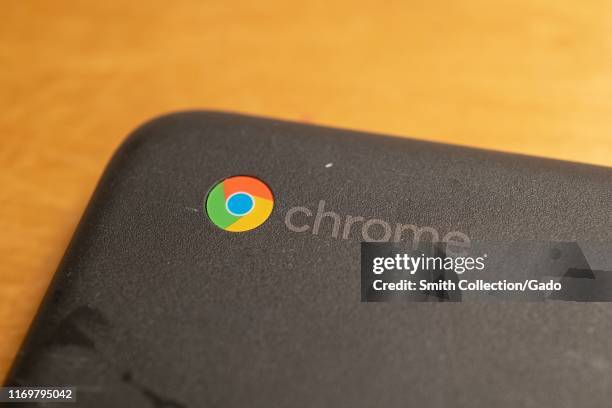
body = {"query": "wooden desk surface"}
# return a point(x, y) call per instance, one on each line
point(530, 76)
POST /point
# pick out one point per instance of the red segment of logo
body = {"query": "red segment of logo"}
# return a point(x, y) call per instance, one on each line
point(251, 185)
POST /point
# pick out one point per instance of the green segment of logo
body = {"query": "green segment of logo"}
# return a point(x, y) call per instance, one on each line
point(215, 207)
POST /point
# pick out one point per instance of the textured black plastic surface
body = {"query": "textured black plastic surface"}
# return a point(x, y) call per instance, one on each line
point(154, 306)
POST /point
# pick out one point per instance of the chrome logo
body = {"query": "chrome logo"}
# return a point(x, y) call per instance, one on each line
point(239, 203)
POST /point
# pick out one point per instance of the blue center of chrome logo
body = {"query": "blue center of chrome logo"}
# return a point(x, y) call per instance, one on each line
point(240, 204)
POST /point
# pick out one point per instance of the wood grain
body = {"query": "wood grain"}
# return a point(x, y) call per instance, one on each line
point(530, 76)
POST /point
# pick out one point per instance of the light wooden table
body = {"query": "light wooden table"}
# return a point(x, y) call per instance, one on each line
point(530, 76)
